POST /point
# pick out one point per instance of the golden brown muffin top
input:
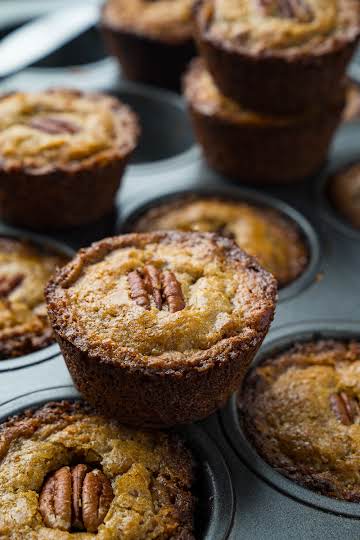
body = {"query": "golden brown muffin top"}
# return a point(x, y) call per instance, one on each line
point(261, 231)
point(161, 300)
point(301, 409)
point(352, 105)
point(344, 191)
point(160, 19)
point(147, 475)
point(203, 95)
point(24, 271)
point(63, 129)
point(300, 25)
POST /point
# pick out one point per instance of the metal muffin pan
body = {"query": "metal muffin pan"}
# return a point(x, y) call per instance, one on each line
point(47, 243)
point(167, 162)
point(212, 488)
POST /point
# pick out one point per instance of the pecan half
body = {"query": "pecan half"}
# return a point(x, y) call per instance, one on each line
point(345, 408)
point(287, 9)
point(173, 292)
point(75, 498)
point(163, 287)
point(9, 283)
point(54, 126)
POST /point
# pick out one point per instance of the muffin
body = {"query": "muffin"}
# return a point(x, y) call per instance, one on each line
point(262, 232)
point(60, 151)
point(251, 147)
point(151, 39)
point(67, 472)
point(301, 411)
point(278, 56)
point(25, 268)
point(344, 193)
point(352, 108)
point(158, 329)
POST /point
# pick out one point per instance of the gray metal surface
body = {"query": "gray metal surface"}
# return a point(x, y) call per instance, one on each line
point(267, 507)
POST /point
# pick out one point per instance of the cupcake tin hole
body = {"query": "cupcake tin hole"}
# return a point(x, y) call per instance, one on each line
point(281, 340)
point(260, 199)
point(165, 126)
point(48, 352)
point(212, 489)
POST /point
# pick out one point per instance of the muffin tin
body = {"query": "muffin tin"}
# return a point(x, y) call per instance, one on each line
point(324, 301)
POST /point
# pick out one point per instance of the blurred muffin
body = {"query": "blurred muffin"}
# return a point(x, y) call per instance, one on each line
point(151, 39)
point(344, 193)
point(278, 56)
point(67, 472)
point(352, 105)
point(60, 151)
point(251, 147)
point(25, 269)
point(301, 411)
point(263, 232)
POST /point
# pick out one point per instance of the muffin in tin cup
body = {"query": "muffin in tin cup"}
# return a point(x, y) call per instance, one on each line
point(62, 156)
point(158, 329)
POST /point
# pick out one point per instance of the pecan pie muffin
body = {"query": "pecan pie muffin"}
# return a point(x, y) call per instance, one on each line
point(278, 56)
point(352, 107)
point(344, 193)
point(152, 39)
point(253, 147)
point(60, 151)
point(301, 410)
point(25, 268)
point(67, 472)
point(158, 329)
point(261, 231)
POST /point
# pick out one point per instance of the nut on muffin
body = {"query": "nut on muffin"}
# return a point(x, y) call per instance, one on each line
point(158, 329)
point(25, 269)
point(62, 155)
point(278, 56)
point(263, 232)
point(67, 472)
point(252, 147)
point(301, 410)
point(151, 39)
point(344, 193)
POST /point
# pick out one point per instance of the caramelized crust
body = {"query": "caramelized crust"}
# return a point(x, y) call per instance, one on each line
point(24, 272)
point(150, 474)
point(262, 232)
point(344, 191)
point(301, 411)
point(165, 20)
point(63, 130)
point(293, 26)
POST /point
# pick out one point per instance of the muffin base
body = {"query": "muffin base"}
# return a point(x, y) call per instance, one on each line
point(270, 83)
point(59, 199)
point(147, 60)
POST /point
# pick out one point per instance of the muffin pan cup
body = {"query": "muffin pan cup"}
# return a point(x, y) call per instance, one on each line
point(212, 486)
point(167, 163)
point(48, 352)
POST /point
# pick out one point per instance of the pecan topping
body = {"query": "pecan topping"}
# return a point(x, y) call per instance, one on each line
point(345, 408)
point(161, 286)
point(54, 126)
point(287, 9)
point(9, 283)
point(75, 498)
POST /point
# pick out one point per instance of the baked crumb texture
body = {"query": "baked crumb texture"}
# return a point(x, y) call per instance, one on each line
point(344, 192)
point(150, 474)
point(60, 150)
point(24, 271)
point(169, 363)
point(263, 232)
point(301, 410)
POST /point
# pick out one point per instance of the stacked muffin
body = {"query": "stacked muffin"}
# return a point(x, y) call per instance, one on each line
point(269, 92)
